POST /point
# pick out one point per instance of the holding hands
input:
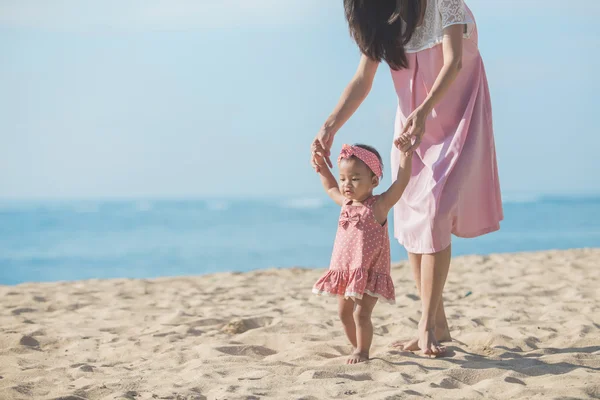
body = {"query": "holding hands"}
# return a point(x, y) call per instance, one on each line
point(319, 157)
point(413, 131)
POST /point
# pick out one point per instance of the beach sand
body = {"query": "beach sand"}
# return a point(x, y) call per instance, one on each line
point(525, 326)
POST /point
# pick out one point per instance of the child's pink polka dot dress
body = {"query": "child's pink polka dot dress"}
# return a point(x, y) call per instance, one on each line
point(361, 256)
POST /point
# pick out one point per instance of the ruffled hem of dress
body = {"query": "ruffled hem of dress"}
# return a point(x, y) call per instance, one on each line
point(485, 231)
point(354, 295)
point(465, 235)
point(423, 250)
point(334, 283)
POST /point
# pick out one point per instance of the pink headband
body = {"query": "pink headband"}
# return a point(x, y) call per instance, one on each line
point(364, 155)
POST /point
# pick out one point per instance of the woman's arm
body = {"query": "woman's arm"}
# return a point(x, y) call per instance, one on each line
point(452, 47)
point(452, 50)
point(354, 94)
point(352, 97)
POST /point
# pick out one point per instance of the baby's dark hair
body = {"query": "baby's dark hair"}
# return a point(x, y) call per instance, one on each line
point(372, 150)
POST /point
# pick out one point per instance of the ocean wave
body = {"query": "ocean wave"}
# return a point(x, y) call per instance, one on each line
point(217, 205)
point(521, 198)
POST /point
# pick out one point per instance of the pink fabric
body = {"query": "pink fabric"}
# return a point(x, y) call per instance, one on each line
point(364, 155)
point(361, 256)
point(454, 186)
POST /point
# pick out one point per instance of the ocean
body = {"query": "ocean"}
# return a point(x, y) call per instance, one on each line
point(73, 240)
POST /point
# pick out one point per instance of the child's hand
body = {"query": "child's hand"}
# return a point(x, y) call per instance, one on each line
point(318, 156)
point(403, 143)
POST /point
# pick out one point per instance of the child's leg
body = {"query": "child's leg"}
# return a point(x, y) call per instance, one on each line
point(345, 310)
point(364, 328)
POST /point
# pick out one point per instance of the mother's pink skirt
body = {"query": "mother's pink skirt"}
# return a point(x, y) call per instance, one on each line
point(454, 187)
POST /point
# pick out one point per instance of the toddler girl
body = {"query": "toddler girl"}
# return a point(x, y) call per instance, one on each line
point(359, 273)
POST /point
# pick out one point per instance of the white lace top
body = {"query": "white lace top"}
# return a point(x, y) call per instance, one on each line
point(439, 14)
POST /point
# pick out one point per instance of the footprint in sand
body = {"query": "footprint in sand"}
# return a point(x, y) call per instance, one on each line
point(194, 332)
point(446, 383)
point(357, 377)
point(251, 351)
point(238, 325)
point(83, 367)
point(72, 397)
point(24, 388)
point(130, 395)
point(19, 311)
point(205, 322)
point(510, 379)
point(319, 374)
point(29, 342)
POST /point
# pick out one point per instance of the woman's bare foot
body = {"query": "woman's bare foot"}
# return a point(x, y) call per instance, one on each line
point(441, 334)
point(428, 343)
point(357, 357)
point(406, 345)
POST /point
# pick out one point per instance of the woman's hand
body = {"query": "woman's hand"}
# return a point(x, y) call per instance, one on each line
point(321, 148)
point(318, 158)
point(414, 129)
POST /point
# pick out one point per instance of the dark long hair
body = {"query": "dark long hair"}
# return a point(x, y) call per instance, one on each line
point(376, 26)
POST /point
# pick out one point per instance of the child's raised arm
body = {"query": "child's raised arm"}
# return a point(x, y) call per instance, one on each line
point(391, 196)
point(327, 179)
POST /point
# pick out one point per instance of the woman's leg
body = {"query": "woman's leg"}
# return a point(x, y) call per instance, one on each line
point(434, 271)
point(442, 331)
point(345, 311)
point(364, 328)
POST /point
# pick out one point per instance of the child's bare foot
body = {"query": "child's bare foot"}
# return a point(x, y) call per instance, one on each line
point(441, 334)
point(357, 357)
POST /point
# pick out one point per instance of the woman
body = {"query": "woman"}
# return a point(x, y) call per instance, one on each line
point(444, 116)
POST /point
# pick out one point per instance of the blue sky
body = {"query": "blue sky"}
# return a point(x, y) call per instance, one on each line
point(203, 98)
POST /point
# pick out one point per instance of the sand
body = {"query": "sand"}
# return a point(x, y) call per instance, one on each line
point(525, 326)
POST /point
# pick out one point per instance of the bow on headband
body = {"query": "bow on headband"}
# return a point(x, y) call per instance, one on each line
point(364, 155)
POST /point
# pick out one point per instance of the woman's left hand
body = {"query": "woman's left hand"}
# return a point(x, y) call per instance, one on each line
point(414, 127)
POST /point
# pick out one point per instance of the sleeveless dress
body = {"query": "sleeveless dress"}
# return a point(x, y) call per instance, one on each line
point(454, 187)
point(360, 262)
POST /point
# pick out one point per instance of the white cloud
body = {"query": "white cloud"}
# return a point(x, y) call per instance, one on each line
point(135, 15)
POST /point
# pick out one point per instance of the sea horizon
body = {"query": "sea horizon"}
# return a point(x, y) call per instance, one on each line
point(73, 239)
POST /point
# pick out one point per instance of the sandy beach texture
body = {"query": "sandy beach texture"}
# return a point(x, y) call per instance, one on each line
point(525, 326)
